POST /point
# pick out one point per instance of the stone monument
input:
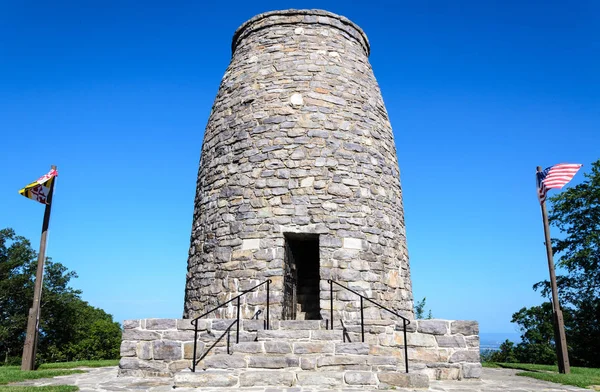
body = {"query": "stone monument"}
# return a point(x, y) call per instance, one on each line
point(299, 179)
point(299, 184)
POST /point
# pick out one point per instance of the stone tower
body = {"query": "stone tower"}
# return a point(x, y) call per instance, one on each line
point(299, 179)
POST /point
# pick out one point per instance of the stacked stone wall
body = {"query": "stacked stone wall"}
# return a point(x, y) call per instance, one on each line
point(440, 349)
point(298, 141)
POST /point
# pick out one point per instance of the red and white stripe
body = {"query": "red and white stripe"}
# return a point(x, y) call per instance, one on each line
point(559, 175)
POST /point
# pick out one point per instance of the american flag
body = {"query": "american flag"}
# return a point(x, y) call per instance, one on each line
point(555, 176)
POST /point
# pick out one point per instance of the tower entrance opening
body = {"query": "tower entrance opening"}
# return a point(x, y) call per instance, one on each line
point(301, 277)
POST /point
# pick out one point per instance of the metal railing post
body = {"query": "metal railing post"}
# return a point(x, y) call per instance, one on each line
point(195, 322)
point(405, 346)
point(362, 320)
point(237, 332)
point(268, 288)
point(228, 338)
point(331, 302)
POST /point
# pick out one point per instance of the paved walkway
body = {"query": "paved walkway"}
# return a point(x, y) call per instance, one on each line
point(106, 380)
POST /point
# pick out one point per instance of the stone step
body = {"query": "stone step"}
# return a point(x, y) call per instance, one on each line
point(297, 378)
point(299, 335)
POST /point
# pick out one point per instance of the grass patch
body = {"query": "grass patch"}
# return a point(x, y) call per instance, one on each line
point(53, 388)
point(490, 365)
point(14, 374)
point(71, 365)
point(579, 376)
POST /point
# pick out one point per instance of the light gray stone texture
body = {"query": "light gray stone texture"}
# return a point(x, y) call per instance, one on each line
point(298, 140)
point(263, 378)
point(166, 349)
point(465, 356)
point(154, 324)
point(465, 327)
point(360, 378)
point(206, 379)
point(106, 379)
point(434, 327)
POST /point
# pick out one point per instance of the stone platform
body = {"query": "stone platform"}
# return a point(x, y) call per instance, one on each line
point(301, 353)
point(106, 380)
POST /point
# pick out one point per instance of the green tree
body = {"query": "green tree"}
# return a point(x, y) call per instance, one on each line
point(70, 329)
point(537, 334)
point(506, 353)
point(420, 310)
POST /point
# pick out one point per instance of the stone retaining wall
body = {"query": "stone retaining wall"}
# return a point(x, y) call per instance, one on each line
point(441, 349)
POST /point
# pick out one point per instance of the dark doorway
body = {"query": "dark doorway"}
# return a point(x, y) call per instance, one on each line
point(301, 278)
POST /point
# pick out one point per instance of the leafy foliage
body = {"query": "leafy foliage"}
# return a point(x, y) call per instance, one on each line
point(70, 328)
point(420, 310)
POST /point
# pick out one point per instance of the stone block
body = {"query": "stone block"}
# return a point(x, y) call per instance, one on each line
point(423, 354)
point(278, 347)
point(471, 370)
point(249, 244)
point(183, 336)
point(300, 324)
point(178, 366)
point(130, 324)
point(472, 341)
point(308, 362)
point(161, 324)
point(320, 379)
point(266, 378)
point(128, 348)
point(404, 380)
point(453, 341)
point(273, 361)
point(465, 356)
point(129, 363)
point(248, 347)
point(144, 350)
point(313, 348)
point(223, 361)
point(154, 367)
point(360, 378)
point(420, 340)
point(186, 325)
point(283, 335)
point(465, 327)
point(352, 348)
point(188, 350)
point(167, 349)
point(205, 379)
point(222, 324)
point(387, 351)
point(382, 360)
point(326, 335)
point(140, 334)
point(434, 327)
point(253, 325)
point(341, 360)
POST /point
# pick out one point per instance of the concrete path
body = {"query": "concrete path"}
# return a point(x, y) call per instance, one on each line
point(106, 380)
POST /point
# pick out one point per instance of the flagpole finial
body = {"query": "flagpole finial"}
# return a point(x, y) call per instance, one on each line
point(539, 168)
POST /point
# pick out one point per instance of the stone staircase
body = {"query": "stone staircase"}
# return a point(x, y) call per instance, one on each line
point(299, 353)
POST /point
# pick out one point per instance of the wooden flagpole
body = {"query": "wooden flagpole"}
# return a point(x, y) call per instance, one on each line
point(33, 321)
point(559, 325)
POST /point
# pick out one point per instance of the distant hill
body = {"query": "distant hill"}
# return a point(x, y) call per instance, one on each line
point(492, 341)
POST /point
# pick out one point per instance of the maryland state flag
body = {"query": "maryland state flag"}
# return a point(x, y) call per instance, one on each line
point(40, 189)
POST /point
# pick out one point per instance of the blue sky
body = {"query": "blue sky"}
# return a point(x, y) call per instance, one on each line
point(117, 95)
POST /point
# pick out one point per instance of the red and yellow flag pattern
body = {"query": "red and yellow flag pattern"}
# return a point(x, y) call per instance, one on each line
point(40, 189)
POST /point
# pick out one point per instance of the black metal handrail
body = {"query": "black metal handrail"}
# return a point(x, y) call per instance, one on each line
point(194, 322)
point(362, 321)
